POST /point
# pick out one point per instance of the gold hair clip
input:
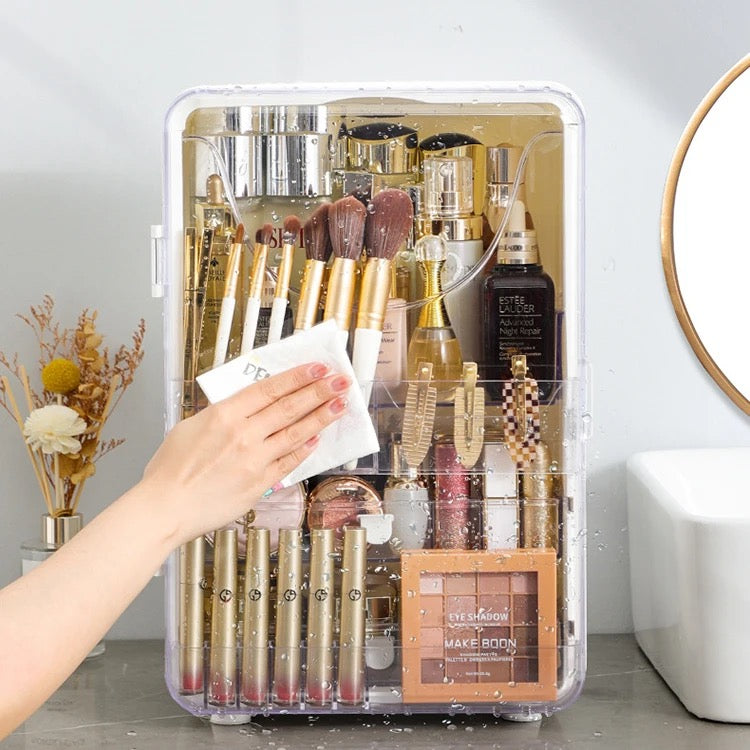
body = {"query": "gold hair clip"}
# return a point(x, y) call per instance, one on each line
point(419, 416)
point(468, 417)
point(521, 423)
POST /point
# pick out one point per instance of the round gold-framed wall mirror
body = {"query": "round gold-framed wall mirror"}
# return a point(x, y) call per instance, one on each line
point(705, 233)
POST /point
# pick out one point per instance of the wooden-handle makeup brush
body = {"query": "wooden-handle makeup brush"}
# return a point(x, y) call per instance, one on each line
point(389, 220)
point(346, 227)
point(292, 226)
point(257, 275)
point(228, 301)
point(317, 250)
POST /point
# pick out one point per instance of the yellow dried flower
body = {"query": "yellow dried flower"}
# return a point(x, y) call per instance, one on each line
point(61, 376)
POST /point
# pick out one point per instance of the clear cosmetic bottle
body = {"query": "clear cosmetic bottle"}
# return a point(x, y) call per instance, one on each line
point(406, 497)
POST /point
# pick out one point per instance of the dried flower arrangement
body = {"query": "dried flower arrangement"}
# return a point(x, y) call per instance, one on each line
point(82, 383)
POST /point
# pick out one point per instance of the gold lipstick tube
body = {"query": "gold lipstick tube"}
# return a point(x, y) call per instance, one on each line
point(192, 580)
point(286, 666)
point(309, 297)
point(351, 687)
point(540, 508)
point(256, 617)
point(320, 613)
point(373, 296)
point(223, 653)
point(340, 294)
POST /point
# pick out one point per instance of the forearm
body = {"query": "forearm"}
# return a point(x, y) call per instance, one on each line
point(43, 635)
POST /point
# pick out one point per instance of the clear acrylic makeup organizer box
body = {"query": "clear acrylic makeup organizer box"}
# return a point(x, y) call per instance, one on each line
point(494, 113)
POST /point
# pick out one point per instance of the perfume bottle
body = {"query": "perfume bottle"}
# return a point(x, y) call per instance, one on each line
point(433, 340)
point(406, 497)
point(502, 167)
point(448, 210)
point(518, 309)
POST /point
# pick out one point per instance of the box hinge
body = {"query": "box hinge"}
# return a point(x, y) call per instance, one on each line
point(157, 260)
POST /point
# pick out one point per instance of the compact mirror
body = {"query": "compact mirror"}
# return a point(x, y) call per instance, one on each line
point(705, 233)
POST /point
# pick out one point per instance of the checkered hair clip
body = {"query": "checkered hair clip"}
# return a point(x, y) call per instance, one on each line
point(520, 403)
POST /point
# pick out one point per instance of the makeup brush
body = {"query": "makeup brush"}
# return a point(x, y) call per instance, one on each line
point(228, 301)
point(346, 225)
point(317, 250)
point(281, 294)
point(389, 220)
point(257, 275)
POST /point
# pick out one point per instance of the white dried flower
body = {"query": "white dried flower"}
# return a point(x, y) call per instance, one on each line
point(53, 428)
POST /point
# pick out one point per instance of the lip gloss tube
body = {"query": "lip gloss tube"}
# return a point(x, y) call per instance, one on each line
point(351, 687)
point(256, 618)
point(223, 654)
point(286, 666)
point(192, 580)
point(319, 685)
point(453, 526)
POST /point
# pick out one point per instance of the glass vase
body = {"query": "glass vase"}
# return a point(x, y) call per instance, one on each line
point(56, 530)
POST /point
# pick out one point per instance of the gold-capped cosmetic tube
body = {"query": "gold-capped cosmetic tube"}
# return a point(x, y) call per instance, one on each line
point(192, 583)
point(540, 507)
point(223, 652)
point(320, 614)
point(256, 617)
point(351, 682)
point(286, 666)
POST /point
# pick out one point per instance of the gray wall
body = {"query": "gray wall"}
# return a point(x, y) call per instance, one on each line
point(85, 86)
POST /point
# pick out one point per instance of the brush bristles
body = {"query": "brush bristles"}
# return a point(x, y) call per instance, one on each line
point(292, 225)
point(263, 235)
point(317, 238)
point(239, 235)
point(390, 216)
point(346, 226)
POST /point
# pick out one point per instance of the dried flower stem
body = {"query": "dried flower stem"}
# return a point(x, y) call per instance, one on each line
point(19, 421)
point(114, 384)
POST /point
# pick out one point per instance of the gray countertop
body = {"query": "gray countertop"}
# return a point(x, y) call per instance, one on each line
point(120, 700)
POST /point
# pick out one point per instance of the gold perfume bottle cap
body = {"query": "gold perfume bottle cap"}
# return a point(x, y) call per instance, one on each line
point(448, 186)
point(382, 148)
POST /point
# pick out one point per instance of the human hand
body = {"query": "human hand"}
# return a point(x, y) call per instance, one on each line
point(213, 467)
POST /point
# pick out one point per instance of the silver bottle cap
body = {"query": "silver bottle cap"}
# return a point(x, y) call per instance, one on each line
point(242, 154)
point(502, 163)
point(448, 188)
point(298, 164)
point(294, 118)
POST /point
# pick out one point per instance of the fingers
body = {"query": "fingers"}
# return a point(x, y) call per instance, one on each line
point(262, 394)
point(294, 406)
point(288, 441)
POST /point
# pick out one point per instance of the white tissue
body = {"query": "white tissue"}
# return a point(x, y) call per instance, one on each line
point(350, 437)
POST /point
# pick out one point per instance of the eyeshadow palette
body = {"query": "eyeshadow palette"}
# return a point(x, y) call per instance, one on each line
point(479, 626)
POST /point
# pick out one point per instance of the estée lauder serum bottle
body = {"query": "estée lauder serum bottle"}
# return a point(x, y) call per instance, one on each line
point(518, 308)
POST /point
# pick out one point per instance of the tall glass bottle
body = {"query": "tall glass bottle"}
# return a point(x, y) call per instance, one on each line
point(518, 308)
point(434, 340)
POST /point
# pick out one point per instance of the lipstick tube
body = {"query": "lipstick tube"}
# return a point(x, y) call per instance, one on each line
point(319, 687)
point(192, 581)
point(286, 666)
point(223, 653)
point(256, 617)
point(351, 687)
